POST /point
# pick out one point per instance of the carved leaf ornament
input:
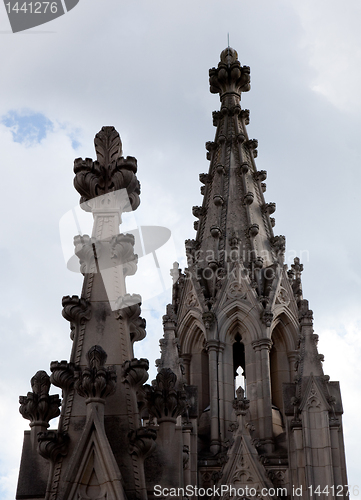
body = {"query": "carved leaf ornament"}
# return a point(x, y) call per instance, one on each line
point(111, 172)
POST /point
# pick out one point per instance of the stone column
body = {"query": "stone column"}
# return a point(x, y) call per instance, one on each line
point(212, 347)
point(264, 395)
point(222, 430)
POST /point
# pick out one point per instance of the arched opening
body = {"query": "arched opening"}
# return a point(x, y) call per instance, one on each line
point(239, 363)
point(280, 374)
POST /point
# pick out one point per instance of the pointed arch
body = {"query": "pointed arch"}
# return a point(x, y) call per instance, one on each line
point(238, 315)
point(192, 340)
point(284, 343)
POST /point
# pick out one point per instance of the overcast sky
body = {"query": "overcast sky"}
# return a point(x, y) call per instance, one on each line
point(142, 66)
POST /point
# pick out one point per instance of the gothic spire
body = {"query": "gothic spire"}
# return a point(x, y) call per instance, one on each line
point(234, 219)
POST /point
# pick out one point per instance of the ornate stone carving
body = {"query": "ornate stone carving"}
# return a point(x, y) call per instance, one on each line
point(204, 178)
point(88, 250)
point(191, 300)
point(198, 211)
point(283, 296)
point(95, 381)
point(260, 175)
point(75, 310)
point(267, 317)
point(269, 208)
point(240, 404)
point(211, 146)
point(208, 319)
point(236, 290)
point(122, 253)
point(111, 171)
point(230, 76)
point(62, 374)
point(185, 456)
point(38, 406)
point(252, 145)
point(279, 243)
point(142, 441)
point(128, 306)
point(53, 445)
point(245, 115)
point(136, 371)
point(164, 401)
point(216, 115)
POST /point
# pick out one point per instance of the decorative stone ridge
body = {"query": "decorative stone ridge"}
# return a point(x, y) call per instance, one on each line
point(230, 76)
point(95, 382)
point(164, 401)
point(111, 171)
point(38, 406)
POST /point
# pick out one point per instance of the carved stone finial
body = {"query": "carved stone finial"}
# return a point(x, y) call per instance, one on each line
point(164, 401)
point(38, 406)
point(95, 381)
point(111, 172)
point(229, 76)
